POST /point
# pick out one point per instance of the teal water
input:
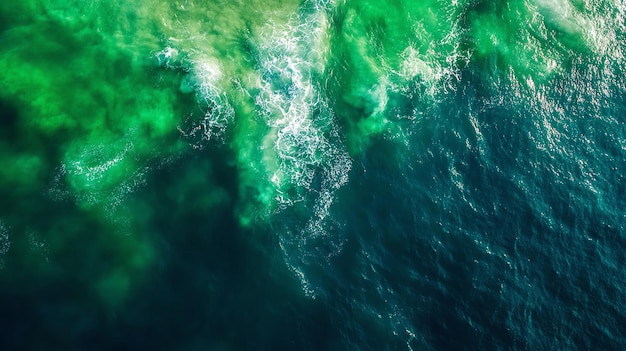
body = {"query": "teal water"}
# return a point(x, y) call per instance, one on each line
point(312, 175)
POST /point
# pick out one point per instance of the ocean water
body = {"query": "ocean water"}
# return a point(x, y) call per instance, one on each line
point(312, 175)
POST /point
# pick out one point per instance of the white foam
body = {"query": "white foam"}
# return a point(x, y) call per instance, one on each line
point(602, 33)
point(299, 117)
point(312, 162)
point(561, 14)
point(413, 65)
point(204, 78)
point(90, 178)
point(168, 57)
point(94, 172)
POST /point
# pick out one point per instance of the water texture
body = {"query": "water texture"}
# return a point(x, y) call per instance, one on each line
point(312, 175)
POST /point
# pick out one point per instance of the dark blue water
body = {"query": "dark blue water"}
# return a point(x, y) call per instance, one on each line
point(316, 175)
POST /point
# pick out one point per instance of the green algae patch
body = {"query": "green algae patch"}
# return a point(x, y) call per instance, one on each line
point(92, 93)
point(532, 40)
point(93, 117)
point(378, 50)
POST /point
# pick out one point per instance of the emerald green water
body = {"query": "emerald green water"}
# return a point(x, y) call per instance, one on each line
point(190, 151)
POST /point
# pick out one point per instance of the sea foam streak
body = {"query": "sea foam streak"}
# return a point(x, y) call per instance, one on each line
point(311, 161)
point(289, 150)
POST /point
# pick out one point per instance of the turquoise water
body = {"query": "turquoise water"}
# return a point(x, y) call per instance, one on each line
point(312, 175)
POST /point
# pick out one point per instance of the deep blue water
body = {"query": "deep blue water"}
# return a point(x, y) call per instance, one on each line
point(416, 177)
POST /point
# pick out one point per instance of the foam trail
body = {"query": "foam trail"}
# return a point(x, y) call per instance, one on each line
point(307, 160)
point(288, 148)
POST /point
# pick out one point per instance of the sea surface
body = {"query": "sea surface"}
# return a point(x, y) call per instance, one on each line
point(312, 175)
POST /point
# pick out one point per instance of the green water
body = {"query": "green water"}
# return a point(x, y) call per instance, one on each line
point(262, 111)
point(110, 84)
